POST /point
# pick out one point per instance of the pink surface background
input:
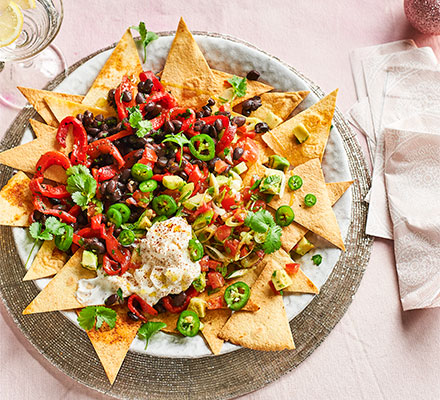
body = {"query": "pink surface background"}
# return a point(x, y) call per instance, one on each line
point(376, 351)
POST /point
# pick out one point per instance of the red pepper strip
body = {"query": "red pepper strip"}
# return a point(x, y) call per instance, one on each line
point(144, 305)
point(114, 249)
point(105, 146)
point(77, 239)
point(96, 222)
point(75, 210)
point(157, 122)
point(55, 192)
point(120, 135)
point(79, 153)
point(165, 99)
point(166, 301)
point(109, 266)
point(149, 157)
point(204, 207)
point(125, 86)
point(187, 121)
point(159, 177)
point(195, 175)
point(157, 86)
point(52, 158)
point(105, 173)
point(90, 233)
point(43, 208)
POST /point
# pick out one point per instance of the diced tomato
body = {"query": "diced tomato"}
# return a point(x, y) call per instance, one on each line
point(216, 303)
point(231, 200)
point(142, 199)
point(261, 253)
point(258, 205)
point(220, 166)
point(212, 264)
point(175, 194)
point(215, 280)
point(292, 268)
point(244, 251)
point(231, 247)
point(196, 175)
point(250, 147)
point(273, 288)
point(222, 233)
point(149, 157)
point(204, 264)
point(240, 214)
point(203, 208)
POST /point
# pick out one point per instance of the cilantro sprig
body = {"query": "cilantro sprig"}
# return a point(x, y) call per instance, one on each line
point(149, 329)
point(146, 36)
point(95, 316)
point(238, 86)
point(263, 222)
point(136, 121)
point(180, 139)
point(81, 185)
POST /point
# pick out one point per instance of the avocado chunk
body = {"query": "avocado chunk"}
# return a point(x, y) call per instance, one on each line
point(281, 279)
point(301, 133)
point(278, 162)
point(144, 220)
point(199, 306)
point(271, 184)
point(173, 182)
point(240, 168)
point(303, 246)
point(272, 120)
point(89, 260)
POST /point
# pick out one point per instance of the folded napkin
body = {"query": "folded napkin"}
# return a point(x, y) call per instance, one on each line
point(412, 176)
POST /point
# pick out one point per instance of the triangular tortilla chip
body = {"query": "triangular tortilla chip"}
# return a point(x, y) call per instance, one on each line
point(300, 282)
point(168, 318)
point(16, 201)
point(124, 60)
point(267, 329)
point(59, 294)
point(186, 73)
point(294, 232)
point(64, 108)
point(220, 84)
point(26, 156)
point(36, 98)
point(213, 323)
point(319, 218)
point(111, 345)
point(317, 119)
point(280, 104)
point(40, 129)
point(48, 261)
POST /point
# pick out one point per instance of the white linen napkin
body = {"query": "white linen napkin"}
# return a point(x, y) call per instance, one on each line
point(412, 175)
point(408, 91)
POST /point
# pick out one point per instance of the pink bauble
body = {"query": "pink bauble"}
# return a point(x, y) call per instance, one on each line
point(424, 15)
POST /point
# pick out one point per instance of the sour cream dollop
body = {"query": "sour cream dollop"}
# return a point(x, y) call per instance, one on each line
point(166, 268)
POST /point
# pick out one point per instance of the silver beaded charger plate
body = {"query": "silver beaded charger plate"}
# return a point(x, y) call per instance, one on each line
point(182, 368)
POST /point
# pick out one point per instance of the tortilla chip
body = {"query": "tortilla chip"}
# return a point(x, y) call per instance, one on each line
point(267, 329)
point(26, 156)
point(280, 104)
point(294, 232)
point(48, 261)
point(36, 98)
point(168, 318)
point(220, 84)
point(64, 108)
point(212, 324)
point(16, 201)
point(41, 129)
point(59, 294)
point(111, 345)
point(256, 169)
point(320, 218)
point(186, 73)
point(317, 119)
point(124, 60)
point(300, 282)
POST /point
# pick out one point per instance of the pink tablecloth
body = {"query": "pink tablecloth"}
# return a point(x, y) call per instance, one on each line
point(376, 351)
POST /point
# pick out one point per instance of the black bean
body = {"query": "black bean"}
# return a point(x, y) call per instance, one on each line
point(261, 127)
point(145, 86)
point(110, 300)
point(168, 127)
point(246, 113)
point(149, 107)
point(132, 316)
point(104, 127)
point(187, 157)
point(93, 131)
point(159, 307)
point(225, 113)
point(198, 125)
point(111, 187)
point(111, 96)
point(87, 120)
point(88, 114)
point(226, 171)
point(126, 96)
point(238, 152)
point(177, 125)
point(207, 111)
point(256, 103)
point(247, 105)
point(218, 125)
point(125, 175)
point(178, 300)
point(183, 175)
point(211, 164)
point(239, 121)
point(205, 129)
point(212, 131)
point(102, 134)
point(132, 186)
point(211, 102)
point(140, 98)
point(199, 114)
point(198, 162)
point(172, 166)
point(94, 244)
point(111, 121)
point(103, 187)
point(99, 118)
point(253, 75)
point(121, 186)
point(90, 139)
point(80, 117)
point(156, 111)
point(162, 162)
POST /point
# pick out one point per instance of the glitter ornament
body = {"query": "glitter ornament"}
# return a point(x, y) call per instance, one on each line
point(424, 15)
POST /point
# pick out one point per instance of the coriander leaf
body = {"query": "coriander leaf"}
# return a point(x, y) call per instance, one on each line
point(87, 316)
point(78, 169)
point(55, 226)
point(317, 259)
point(119, 293)
point(81, 185)
point(79, 199)
point(144, 127)
point(239, 85)
point(149, 329)
point(273, 239)
point(260, 221)
point(137, 122)
point(146, 36)
point(180, 139)
point(35, 229)
point(45, 235)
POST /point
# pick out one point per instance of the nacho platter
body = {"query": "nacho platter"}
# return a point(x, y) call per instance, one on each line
point(192, 353)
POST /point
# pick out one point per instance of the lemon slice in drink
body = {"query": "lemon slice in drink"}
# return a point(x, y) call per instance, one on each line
point(25, 4)
point(11, 23)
